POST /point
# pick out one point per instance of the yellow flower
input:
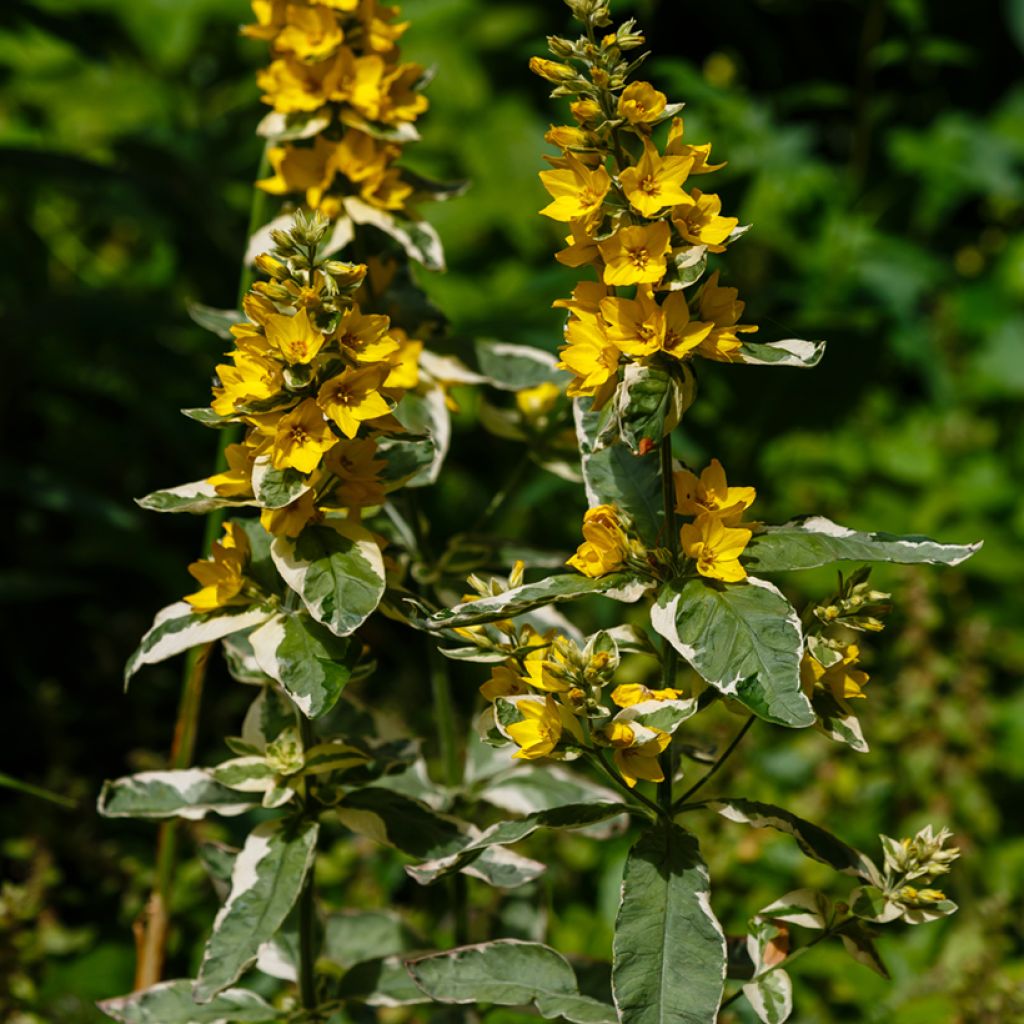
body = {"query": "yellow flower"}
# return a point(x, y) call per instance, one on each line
point(635, 756)
point(586, 111)
point(302, 436)
point(539, 400)
point(221, 576)
point(715, 547)
point(295, 337)
point(504, 682)
point(605, 547)
point(542, 727)
point(236, 480)
point(577, 191)
point(585, 302)
point(628, 694)
point(358, 470)
point(711, 493)
point(721, 307)
point(292, 87)
point(636, 254)
point(842, 680)
point(640, 104)
point(252, 378)
point(567, 136)
point(580, 246)
point(353, 397)
point(310, 33)
point(364, 336)
point(655, 181)
point(589, 355)
point(291, 520)
point(307, 169)
point(699, 154)
point(544, 671)
point(698, 219)
point(551, 70)
point(635, 326)
point(682, 335)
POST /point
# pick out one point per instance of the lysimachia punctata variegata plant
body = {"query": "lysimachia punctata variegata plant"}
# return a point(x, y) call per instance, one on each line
point(338, 411)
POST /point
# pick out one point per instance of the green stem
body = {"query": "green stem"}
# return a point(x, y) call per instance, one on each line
point(602, 762)
point(498, 501)
point(718, 764)
point(153, 932)
point(669, 655)
point(9, 782)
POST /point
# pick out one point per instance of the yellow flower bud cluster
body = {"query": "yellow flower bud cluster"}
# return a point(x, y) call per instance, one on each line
point(607, 546)
point(633, 216)
point(715, 539)
point(341, 97)
point(314, 380)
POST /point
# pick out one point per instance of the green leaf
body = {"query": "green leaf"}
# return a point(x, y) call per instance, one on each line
point(524, 789)
point(615, 476)
point(789, 352)
point(836, 723)
point(170, 1002)
point(509, 972)
point(511, 367)
point(771, 996)
point(805, 907)
point(353, 936)
point(186, 793)
point(287, 127)
point(807, 543)
point(418, 238)
point(743, 638)
point(426, 414)
point(507, 832)
point(266, 880)
point(307, 659)
point(337, 570)
point(275, 488)
point(198, 497)
point(208, 418)
point(177, 628)
point(649, 402)
point(412, 827)
point(859, 943)
point(669, 951)
point(381, 981)
point(219, 321)
point(815, 842)
point(522, 599)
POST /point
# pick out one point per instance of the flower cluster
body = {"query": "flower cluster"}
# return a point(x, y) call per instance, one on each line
point(634, 216)
point(607, 545)
point(343, 101)
point(714, 540)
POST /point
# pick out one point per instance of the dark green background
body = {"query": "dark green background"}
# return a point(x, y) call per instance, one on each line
point(878, 149)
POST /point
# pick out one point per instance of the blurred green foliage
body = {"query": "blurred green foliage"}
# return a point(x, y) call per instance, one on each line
point(878, 149)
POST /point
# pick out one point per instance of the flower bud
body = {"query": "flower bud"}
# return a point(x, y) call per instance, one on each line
point(552, 71)
point(561, 48)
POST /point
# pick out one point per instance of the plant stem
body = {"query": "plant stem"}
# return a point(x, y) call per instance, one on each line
point(602, 762)
point(669, 655)
point(151, 927)
point(496, 503)
point(718, 764)
point(307, 898)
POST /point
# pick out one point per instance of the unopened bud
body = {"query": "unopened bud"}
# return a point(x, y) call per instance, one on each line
point(561, 48)
point(552, 71)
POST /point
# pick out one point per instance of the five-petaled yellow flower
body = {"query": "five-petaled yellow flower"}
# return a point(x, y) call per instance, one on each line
point(635, 326)
point(715, 547)
point(589, 355)
point(295, 337)
point(682, 335)
point(542, 727)
point(628, 694)
point(698, 219)
point(655, 182)
point(637, 757)
point(636, 254)
point(577, 190)
point(641, 104)
point(301, 438)
point(710, 492)
point(842, 680)
point(221, 576)
point(353, 397)
point(723, 308)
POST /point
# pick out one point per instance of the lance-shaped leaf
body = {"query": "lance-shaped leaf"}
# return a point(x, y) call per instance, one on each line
point(771, 996)
point(186, 793)
point(789, 352)
point(171, 1002)
point(509, 972)
point(807, 543)
point(275, 488)
point(337, 570)
point(418, 238)
point(743, 638)
point(307, 659)
point(514, 367)
point(425, 414)
point(198, 497)
point(858, 941)
point(208, 418)
point(525, 788)
point(266, 880)
point(805, 907)
point(815, 842)
point(507, 832)
point(353, 936)
point(412, 827)
point(219, 321)
point(669, 951)
point(649, 403)
point(522, 599)
point(177, 627)
point(615, 476)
